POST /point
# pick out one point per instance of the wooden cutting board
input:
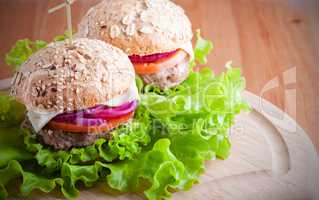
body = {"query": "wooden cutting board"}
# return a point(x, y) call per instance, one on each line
point(272, 158)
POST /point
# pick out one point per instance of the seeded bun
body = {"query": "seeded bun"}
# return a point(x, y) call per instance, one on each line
point(138, 27)
point(64, 77)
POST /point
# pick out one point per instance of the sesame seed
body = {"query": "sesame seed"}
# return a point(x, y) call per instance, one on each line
point(81, 59)
point(130, 30)
point(115, 31)
point(144, 16)
point(146, 30)
point(67, 61)
point(104, 79)
point(69, 108)
point(128, 19)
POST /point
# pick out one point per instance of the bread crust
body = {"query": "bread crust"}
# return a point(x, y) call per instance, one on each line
point(63, 77)
point(138, 27)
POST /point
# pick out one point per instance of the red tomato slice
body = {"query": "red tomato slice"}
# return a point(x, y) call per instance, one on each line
point(74, 128)
point(152, 68)
point(146, 68)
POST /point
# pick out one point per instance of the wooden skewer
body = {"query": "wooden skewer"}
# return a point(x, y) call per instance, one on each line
point(69, 20)
point(67, 4)
point(58, 7)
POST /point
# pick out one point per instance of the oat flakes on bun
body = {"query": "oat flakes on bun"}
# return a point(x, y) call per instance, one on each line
point(156, 34)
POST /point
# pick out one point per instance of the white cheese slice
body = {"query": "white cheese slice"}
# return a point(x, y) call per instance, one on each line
point(188, 47)
point(130, 95)
point(40, 119)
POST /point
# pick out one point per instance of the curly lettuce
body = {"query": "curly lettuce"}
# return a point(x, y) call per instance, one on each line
point(126, 144)
point(24, 48)
point(202, 49)
point(11, 112)
point(163, 149)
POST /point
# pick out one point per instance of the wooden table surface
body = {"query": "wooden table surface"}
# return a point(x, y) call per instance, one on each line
point(275, 42)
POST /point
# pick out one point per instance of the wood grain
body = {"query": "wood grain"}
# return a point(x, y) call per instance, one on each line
point(268, 39)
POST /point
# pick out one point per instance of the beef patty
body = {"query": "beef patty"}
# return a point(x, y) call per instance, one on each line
point(169, 77)
point(61, 140)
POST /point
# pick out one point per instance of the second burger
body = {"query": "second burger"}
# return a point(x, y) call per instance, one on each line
point(156, 34)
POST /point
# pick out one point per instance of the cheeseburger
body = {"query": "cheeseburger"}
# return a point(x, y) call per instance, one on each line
point(76, 93)
point(156, 34)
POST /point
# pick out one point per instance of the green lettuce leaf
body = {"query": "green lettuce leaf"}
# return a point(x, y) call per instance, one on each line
point(11, 112)
point(158, 166)
point(202, 49)
point(204, 101)
point(13, 153)
point(30, 182)
point(22, 50)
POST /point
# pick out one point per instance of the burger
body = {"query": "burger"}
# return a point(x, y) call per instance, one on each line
point(156, 34)
point(76, 93)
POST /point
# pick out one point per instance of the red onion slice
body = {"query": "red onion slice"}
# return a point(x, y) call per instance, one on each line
point(68, 116)
point(151, 58)
point(97, 115)
point(111, 113)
